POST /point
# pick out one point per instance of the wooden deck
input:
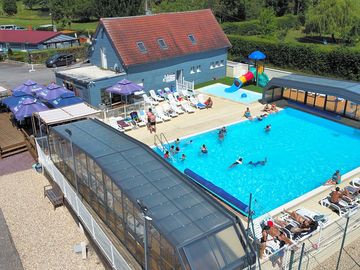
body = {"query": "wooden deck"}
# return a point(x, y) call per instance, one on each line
point(12, 140)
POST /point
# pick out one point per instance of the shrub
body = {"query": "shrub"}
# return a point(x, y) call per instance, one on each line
point(248, 28)
point(80, 52)
point(288, 22)
point(340, 62)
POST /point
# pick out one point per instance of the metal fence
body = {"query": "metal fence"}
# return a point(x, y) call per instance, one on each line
point(311, 252)
point(124, 111)
point(98, 235)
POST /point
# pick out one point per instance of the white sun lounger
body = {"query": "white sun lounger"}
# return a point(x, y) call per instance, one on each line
point(202, 98)
point(160, 113)
point(149, 100)
point(176, 108)
point(155, 96)
point(168, 110)
point(355, 182)
point(196, 103)
point(343, 208)
point(172, 99)
point(186, 106)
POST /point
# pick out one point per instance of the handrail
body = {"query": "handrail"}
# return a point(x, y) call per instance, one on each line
point(161, 139)
point(162, 136)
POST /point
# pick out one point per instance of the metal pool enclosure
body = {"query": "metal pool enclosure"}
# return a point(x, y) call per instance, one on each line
point(338, 97)
point(163, 219)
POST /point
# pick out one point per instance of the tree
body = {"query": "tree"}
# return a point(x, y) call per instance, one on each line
point(267, 21)
point(178, 5)
point(83, 10)
point(334, 17)
point(9, 7)
point(61, 10)
point(118, 8)
point(279, 6)
point(231, 10)
point(30, 3)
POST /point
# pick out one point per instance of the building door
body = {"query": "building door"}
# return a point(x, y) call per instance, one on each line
point(103, 58)
point(179, 75)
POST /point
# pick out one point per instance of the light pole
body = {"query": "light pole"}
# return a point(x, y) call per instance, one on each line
point(144, 210)
point(52, 22)
point(68, 131)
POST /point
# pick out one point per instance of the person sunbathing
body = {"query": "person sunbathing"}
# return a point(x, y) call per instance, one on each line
point(305, 226)
point(298, 218)
point(337, 195)
point(273, 108)
point(334, 180)
point(247, 114)
point(267, 108)
point(208, 103)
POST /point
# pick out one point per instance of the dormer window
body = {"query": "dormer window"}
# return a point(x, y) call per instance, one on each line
point(141, 47)
point(162, 44)
point(192, 39)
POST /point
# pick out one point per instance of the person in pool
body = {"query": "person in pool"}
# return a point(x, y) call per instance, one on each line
point(237, 162)
point(260, 162)
point(334, 180)
point(177, 149)
point(167, 155)
point(189, 142)
point(221, 135)
point(267, 128)
point(203, 149)
point(177, 141)
point(183, 157)
point(172, 149)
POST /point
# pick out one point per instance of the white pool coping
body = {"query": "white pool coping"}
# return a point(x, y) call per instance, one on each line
point(291, 203)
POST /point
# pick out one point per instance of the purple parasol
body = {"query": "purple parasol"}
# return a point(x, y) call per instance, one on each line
point(51, 92)
point(27, 107)
point(28, 87)
point(124, 87)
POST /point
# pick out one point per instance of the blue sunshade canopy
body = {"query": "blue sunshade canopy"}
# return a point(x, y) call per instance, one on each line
point(124, 87)
point(66, 99)
point(27, 107)
point(28, 87)
point(257, 55)
point(51, 92)
point(14, 100)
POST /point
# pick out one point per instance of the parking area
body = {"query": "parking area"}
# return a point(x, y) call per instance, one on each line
point(14, 74)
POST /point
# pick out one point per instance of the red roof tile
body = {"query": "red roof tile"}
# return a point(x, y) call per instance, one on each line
point(174, 28)
point(25, 36)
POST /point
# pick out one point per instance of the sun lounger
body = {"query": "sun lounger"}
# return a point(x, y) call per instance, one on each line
point(172, 99)
point(355, 182)
point(124, 125)
point(155, 96)
point(149, 100)
point(160, 113)
point(202, 98)
point(161, 93)
point(186, 106)
point(196, 103)
point(176, 108)
point(168, 110)
point(167, 90)
point(342, 208)
point(136, 119)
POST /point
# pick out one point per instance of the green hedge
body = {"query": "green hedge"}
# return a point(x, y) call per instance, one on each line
point(80, 52)
point(341, 62)
point(253, 28)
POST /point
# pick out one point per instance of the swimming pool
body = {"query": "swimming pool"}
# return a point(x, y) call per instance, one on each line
point(218, 89)
point(302, 151)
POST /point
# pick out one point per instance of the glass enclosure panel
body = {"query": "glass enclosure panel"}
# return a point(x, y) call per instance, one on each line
point(300, 96)
point(330, 103)
point(320, 101)
point(340, 105)
point(230, 245)
point(201, 256)
point(357, 116)
point(351, 109)
point(286, 93)
point(293, 94)
point(310, 98)
point(108, 183)
point(118, 208)
point(268, 95)
point(277, 94)
point(120, 232)
point(116, 192)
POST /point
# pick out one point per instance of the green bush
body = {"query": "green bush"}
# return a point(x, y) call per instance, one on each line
point(288, 22)
point(248, 28)
point(18, 56)
point(39, 57)
point(340, 62)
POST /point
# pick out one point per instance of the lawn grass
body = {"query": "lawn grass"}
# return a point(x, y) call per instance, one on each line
point(229, 81)
point(33, 18)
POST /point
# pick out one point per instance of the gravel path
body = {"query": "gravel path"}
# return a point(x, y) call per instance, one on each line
point(43, 237)
point(350, 258)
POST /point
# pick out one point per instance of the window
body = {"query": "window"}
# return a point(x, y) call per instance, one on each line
point(141, 46)
point(192, 39)
point(212, 65)
point(217, 64)
point(222, 62)
point(192, 70)
point(198, 68)
point(162, 44)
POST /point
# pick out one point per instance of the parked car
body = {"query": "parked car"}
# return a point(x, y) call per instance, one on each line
point(58, 60)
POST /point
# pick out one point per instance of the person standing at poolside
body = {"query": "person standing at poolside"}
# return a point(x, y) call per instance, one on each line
point(151, 121)
point(334, 180)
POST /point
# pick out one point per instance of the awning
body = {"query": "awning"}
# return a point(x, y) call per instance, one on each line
point(65, 114)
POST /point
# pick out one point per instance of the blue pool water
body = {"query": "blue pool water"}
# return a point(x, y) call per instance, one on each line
point(218, 89)
point(302, 150)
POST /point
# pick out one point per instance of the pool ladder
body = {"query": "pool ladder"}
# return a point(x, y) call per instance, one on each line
point(161, 140)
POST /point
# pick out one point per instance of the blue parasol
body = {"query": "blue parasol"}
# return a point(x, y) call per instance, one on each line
point(65, 99)
point(257, 55)
point(27, 107)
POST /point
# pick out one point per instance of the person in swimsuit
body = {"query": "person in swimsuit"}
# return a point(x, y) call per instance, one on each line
point(247, 114)
point(260, 162)
point(183, 157)
point(237, 162)
point(151, 121)
point(263, 240)
point(334, 180)
point(166, 155)
point(203, 149)
point(177, 141)
point(267, 128)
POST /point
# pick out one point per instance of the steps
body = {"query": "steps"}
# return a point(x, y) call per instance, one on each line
point(13, 149)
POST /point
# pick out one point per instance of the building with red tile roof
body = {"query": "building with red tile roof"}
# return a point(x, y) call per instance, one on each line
point(32, 40)
point(157, 51)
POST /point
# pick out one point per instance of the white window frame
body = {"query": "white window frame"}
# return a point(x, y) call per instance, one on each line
point(192, 70)
point(222, 63)
point(198, 68)
point(217, 64)
point(212, 65)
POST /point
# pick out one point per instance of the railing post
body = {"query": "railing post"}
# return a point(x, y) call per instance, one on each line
point(343, 242)
point(112, 255)
point(292, 254)
point(301, 256)
point(92, 228)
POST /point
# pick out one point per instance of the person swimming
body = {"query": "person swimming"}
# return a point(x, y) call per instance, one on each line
point(183, 157)
point(189, 142)
point(267, 128)
point(167, 155)
point(177, 149)
point(260, 162)
point(177, 141)
point(203, 149)
point(237, 162)
point(172, 150)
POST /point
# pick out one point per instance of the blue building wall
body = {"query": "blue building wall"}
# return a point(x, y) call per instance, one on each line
point(103, 42)
point(19, 46)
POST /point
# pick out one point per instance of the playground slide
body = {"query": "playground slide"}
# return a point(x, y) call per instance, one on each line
point(239, 82)
point(263, 79)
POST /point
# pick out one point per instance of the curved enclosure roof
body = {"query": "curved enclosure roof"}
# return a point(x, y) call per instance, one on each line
point(344, 89)
point(179, 210)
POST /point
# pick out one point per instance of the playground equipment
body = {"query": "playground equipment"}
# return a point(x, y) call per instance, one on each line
point(255, 73)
